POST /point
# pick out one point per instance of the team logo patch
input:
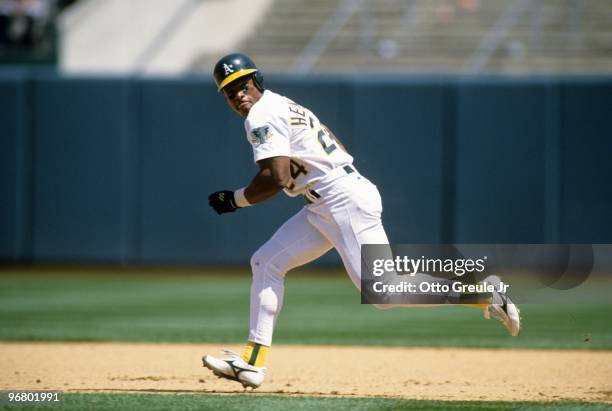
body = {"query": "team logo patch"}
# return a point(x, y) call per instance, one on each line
point(261, 135)
point(228, 69)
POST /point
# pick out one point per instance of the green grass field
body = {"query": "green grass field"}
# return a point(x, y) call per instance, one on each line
point(317, 310)
point(180, 307)
point(81, 402)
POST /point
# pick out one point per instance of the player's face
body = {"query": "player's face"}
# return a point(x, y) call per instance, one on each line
point(241, 95)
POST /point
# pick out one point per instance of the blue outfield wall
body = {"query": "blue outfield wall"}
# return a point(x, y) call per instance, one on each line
point(118, 170)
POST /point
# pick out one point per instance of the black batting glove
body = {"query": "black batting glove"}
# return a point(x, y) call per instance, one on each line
point(223, 201)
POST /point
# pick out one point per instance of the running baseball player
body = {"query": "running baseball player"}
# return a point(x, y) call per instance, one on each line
point(298, 154)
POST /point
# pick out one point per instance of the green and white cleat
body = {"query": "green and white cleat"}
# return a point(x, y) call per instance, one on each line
point(503, 308)
point(232, 367)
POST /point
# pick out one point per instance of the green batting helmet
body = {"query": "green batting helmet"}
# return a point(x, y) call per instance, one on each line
point(234, 66)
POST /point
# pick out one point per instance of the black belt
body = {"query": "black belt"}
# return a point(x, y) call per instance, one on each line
point(348, 169)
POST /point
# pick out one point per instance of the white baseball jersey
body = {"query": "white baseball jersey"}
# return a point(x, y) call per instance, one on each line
point(345, 213)
point(277, 126)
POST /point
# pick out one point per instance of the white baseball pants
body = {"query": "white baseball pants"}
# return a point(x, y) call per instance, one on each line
point(347, 214)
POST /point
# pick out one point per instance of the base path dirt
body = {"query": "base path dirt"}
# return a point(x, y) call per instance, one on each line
point(419, 373)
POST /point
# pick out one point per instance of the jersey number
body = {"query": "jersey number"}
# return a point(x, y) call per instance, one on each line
point(326, 142)
point(324, 139)
point(296, 169)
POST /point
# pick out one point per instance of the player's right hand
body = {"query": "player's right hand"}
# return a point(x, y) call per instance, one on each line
point(222, 201)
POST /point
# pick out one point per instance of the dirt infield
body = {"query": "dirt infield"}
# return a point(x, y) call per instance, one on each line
point(419, 373)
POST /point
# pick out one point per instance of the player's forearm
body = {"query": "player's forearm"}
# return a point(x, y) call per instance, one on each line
point(274, 174)
point(272, 177)
point(262, 187)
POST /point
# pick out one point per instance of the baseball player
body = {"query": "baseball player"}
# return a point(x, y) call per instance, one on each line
point(299, 155)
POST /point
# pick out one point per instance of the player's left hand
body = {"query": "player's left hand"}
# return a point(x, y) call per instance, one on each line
point(223, 201)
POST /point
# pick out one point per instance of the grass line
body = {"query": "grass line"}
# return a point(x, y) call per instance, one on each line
point(241, 402)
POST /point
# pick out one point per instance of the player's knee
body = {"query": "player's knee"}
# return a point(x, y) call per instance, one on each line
point(260, 259)
point(263, 262)
point(256, 260)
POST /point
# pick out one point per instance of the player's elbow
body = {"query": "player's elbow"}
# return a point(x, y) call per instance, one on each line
point(275, 171)
point(281, 181)
point(280, 177)
point(281, 172)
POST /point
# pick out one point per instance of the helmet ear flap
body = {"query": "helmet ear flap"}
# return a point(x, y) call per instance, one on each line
point(259, 81)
